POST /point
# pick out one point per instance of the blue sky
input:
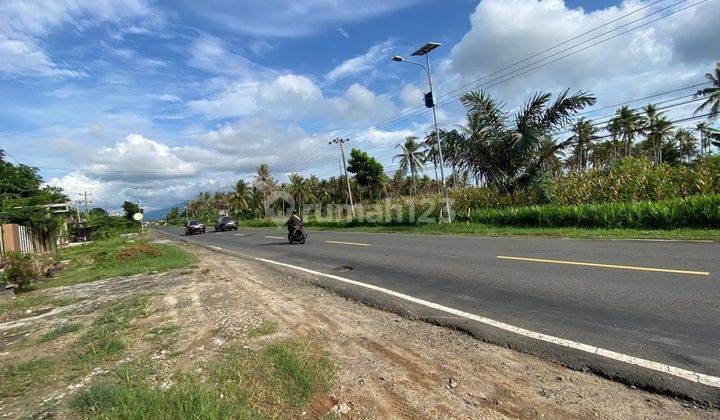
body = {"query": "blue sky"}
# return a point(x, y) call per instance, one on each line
point(161, 99)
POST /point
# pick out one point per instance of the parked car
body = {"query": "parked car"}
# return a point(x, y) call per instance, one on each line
point(225, 223)
point(194, 226)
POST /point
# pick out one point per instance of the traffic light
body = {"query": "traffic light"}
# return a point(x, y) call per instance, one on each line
point(429, 101)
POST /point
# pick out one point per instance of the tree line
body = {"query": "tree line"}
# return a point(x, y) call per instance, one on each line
point(507, 151)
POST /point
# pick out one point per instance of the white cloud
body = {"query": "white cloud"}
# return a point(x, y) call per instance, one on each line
point(290, 18)
point(293, 97)
point(216, 56)
point(651, 59)
point(23, 23)
point(148, 158)
point(343, 32)
point(365, 63)
point(411, 95)
point(376, 137)
point(24, 57)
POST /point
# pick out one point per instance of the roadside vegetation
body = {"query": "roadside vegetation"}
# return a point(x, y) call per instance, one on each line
point(126, 354)
point(545, 167)
point(273, 382)
point(117, 257)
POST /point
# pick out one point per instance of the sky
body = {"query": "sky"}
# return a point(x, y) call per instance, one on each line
point(158, 100)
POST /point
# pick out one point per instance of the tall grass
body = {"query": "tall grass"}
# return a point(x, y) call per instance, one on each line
point(691, 212)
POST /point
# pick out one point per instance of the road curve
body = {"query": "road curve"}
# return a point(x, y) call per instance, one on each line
point(652, 300)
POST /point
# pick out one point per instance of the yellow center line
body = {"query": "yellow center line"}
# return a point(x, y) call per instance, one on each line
point(623, 267)
point(275, 237)
point(347, 243)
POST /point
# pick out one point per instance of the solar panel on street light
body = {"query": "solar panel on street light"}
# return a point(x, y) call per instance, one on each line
point(427, 48)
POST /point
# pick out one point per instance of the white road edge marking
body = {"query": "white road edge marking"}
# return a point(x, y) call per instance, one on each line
point(347, 243)
point(239, 234)
point(701, 378)
point(274, 237)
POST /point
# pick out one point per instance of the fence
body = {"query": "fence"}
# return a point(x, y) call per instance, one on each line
point(21, 238)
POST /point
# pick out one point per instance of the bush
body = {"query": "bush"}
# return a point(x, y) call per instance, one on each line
point(20, 268)
point(691, 212)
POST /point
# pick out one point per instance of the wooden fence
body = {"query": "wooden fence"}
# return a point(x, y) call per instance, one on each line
point(15, 237)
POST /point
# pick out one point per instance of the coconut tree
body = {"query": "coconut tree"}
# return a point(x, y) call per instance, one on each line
point(708, 136)
point(712, 93)
point(686, 141)
point(412, 157)
point(264, 183)
point(613, 127)
point(300, 189)
point(513, 152)
point(657, 129)
point(584, 135)
point(629, 124)
point(242, 196)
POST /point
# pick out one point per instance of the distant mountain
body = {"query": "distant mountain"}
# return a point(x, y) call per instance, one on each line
point(158, 214)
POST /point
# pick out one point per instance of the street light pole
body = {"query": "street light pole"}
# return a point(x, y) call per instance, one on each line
point(425, 50)
point(437, 140)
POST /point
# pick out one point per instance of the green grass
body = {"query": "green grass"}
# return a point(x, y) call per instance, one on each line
point(277, 381)
point(60, 331)
point(35, 301)
point(477, 229)
point(116, 258)
point(17, 377)
point(266, 328)
point(107, 337)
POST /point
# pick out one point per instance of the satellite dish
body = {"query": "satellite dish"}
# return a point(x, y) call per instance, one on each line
point(138, 216)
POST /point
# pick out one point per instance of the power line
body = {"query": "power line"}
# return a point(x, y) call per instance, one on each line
point(420, 107)
point(499, 80)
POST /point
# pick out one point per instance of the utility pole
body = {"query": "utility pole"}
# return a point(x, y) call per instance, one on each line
point(344, 167)
point(85, 196)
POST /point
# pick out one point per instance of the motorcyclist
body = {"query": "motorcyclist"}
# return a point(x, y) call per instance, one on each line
point(295, 222)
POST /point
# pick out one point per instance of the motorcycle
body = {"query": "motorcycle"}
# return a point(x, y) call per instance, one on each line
point(297, 236)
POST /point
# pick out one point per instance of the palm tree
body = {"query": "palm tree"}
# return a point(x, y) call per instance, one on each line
point(630, 124)
point(584, 134)
point(300, 189)
point(512, 153)
point(242, 196)
point(708, 136)
point(712, 103)
point(686, 140)
point(264, 183)
point(411, 157)
point(657, 128)
point(613, 127)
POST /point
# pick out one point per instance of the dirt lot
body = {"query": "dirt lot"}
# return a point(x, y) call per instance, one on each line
point(386, 366)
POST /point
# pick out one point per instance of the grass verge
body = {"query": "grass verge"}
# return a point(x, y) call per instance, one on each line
point(105, 339)
point(266, 328)
point(33, 301)
point(276, 381)
point(118, 257)
point(17, 377)
point(60, 331)
point(576, 233)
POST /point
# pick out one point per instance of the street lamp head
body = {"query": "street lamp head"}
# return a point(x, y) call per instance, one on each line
point(398, 58)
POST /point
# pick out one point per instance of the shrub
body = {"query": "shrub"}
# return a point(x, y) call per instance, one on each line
point(20, 268)
point(138, 251)
point(691, 212)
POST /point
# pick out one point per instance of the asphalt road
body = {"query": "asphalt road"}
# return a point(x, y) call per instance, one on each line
point(656, 300)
